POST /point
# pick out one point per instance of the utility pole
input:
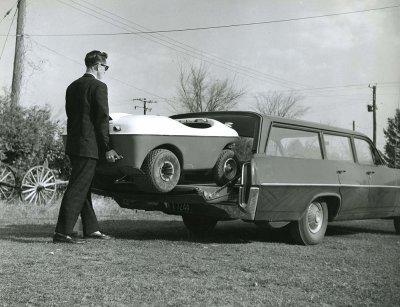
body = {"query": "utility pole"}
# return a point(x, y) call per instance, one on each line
point(372, 108)
point(145, 102)
point(19, 54)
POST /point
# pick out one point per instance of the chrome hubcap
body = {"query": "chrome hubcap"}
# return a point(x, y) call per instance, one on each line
point(315, 217)
point(167, 171)
point(230, 167)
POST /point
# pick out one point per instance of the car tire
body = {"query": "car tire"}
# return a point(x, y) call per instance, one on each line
point(396, 222)
point(199, 224)
point(161, 170)
point(226, 167)
point(311, 227)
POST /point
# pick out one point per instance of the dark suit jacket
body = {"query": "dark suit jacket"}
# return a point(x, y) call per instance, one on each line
point(87, 111)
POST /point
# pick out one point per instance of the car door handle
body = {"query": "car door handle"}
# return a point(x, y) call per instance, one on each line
point(341, 171)
point(370, 173)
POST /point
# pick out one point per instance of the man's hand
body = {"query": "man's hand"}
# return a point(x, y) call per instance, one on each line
point(112, 156)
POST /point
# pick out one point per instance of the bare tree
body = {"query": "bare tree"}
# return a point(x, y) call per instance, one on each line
point(198, 91)
point(280, 104)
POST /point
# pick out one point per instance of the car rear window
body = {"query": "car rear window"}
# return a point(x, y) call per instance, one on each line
point(338, 148)
point(293, 143)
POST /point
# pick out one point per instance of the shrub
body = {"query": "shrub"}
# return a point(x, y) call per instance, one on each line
point(29, 137)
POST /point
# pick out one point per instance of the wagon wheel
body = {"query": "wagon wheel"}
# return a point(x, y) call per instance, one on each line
point(39, 185)
point(7, 182)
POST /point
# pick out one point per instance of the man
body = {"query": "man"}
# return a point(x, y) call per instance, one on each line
point(87, 141)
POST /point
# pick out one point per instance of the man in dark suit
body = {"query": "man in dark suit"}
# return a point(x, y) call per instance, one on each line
point(87, 141)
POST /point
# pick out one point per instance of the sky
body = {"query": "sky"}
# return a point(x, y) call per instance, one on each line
point(327, 51)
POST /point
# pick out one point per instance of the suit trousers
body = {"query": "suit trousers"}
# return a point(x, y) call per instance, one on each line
point(77, 198)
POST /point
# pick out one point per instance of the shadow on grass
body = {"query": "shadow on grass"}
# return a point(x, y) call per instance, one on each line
point(26, 233)
point(233, 232)
point(342, 230)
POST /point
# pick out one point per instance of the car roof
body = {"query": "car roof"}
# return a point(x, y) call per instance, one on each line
point(304, 123)
point(276, 119)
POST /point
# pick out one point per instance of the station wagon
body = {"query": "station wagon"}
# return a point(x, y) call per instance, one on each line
point(293, 174)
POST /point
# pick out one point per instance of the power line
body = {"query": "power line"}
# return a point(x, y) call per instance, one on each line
point(328, 88)
point(307, 89)
point(9, 29)
point(224, 26)
point(79, 63)
point(333, 107)
point(395, 82)
point(390, 85)
point(145, 101)
point(192, 49)
point(200, 55)
point(170, 99)
point(55, 52)
point(8, 12)
point(360, 85)
point(348, 86)
point(271, 78)
point(5, 15)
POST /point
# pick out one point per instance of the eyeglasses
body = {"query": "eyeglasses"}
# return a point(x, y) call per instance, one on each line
point(106, 67)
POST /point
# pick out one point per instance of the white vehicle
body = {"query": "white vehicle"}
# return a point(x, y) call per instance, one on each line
point(157, 150)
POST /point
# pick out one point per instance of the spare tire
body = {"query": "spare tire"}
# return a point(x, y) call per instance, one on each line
point(226, 167)
point(161, 170)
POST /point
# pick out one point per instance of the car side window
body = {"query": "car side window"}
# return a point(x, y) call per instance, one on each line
point(273, 149)
point(364, 153)
point(293, 143)
point(338, 148)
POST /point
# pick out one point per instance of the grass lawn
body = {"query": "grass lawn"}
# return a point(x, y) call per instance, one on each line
point(153, 260)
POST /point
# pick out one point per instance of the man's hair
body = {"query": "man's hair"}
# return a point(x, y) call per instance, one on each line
point(94, 57)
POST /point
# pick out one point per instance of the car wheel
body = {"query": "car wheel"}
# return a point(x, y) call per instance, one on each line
point(162, 171)
point(311, 227)
point(396, 222)
point(226, 167)
point(199, 224)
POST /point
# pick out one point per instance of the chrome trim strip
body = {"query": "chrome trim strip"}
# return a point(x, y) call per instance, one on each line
point(385, 186)
point(244, 172)
point(330, 185)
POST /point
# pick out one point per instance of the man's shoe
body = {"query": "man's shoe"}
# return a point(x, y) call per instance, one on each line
point(98, 235)
point(60, 238)
point(76, 235)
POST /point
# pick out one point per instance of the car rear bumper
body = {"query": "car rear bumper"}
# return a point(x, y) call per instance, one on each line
point(206, 199)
